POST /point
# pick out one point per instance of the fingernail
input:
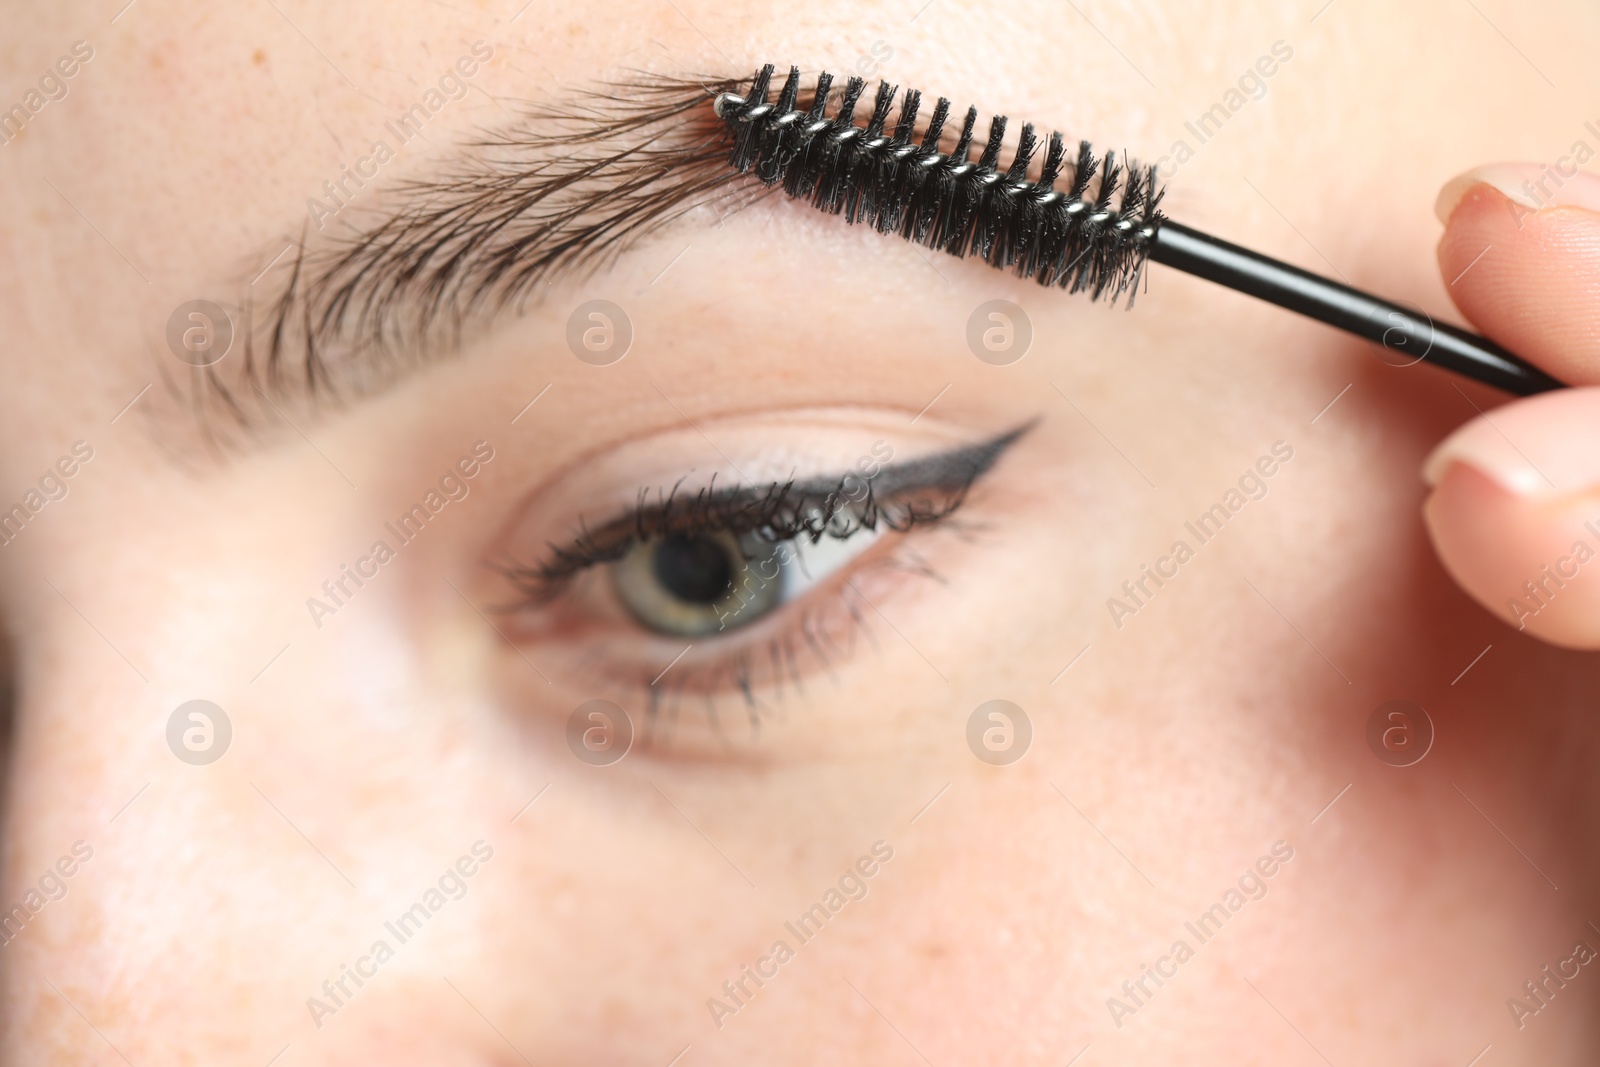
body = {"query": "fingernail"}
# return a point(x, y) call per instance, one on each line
point(1544, 446)
point(1535, 186)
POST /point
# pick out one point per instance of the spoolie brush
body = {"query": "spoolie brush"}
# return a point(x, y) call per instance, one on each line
point(1087, 226)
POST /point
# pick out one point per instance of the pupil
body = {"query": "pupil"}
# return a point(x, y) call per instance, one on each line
point(695, 569)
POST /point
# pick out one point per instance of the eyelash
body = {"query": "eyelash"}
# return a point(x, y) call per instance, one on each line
point(780, 511)
point(776, 512)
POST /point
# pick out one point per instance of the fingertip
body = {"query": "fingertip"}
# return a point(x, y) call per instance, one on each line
point(1520, 255)
point(1546, 445)
point(1505, 177)
point(1533, 562)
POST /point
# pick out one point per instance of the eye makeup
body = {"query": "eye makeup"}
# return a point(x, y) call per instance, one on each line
point(873, 496)
point(702, 588)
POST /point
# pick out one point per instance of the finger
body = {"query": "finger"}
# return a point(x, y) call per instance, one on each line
point(1515, 513)
point(1521, 257)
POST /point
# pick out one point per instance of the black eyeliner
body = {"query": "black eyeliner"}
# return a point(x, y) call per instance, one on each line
point(955, 468)
point(898, 496)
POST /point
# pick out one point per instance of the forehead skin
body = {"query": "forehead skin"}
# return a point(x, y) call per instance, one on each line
point(371, 755)
point(186, 128)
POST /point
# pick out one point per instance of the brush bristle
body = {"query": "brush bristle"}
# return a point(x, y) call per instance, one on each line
point(1083, 237)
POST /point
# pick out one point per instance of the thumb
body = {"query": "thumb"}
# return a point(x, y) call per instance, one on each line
point(1515, 512)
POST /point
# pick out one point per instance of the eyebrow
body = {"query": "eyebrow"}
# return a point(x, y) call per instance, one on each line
point(564, 190)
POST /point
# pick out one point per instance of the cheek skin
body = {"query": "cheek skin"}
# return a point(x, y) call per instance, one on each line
point(1493, 543)
point(1213, 723)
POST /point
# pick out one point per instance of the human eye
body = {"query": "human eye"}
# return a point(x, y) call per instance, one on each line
point(739, 577)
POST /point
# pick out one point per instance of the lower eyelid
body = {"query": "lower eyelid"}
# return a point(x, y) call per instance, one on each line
point(814, 632)
point(586, 642)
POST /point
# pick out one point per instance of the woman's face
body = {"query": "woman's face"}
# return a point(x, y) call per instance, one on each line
point(399, 831)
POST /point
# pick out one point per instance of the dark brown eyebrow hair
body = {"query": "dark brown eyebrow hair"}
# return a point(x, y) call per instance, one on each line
point(564, 190)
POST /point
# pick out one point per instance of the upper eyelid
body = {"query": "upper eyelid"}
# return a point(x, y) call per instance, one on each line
point(952, 471)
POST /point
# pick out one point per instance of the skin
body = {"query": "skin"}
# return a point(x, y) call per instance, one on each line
point(1229, 713)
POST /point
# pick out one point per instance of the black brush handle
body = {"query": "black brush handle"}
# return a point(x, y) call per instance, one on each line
point(1401, 330)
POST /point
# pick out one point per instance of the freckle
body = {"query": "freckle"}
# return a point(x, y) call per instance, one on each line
point(575, 30)
point(258, 57)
